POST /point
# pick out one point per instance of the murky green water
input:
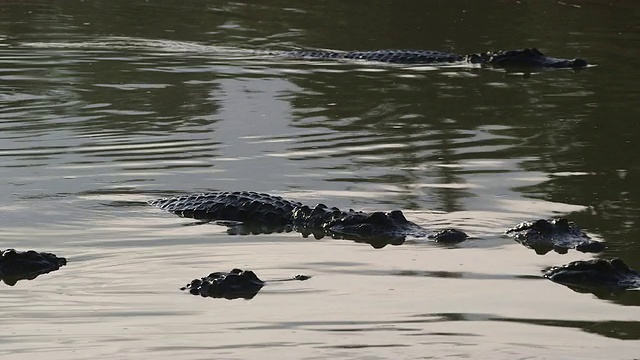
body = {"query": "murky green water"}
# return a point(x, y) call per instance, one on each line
point(107, 104)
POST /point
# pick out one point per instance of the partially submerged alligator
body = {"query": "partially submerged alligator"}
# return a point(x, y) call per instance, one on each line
point(595, 275)
point(27, 265)
point(250, 212)
point(554, 234)
point(235, 284)
point(259, 212)
point(522, 58)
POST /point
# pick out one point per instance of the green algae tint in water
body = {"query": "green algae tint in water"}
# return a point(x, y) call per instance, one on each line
point(105, 105)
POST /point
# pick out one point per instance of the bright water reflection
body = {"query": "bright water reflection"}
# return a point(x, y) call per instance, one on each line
point(104, 105)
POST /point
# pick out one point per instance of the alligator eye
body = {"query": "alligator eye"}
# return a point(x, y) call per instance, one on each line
point(397, 215)
point(378, 217)
point(9, 252)
point(561, 222)
point(542, 225)
point(619, 264)
point(319, 209)
point(216, 275)
point(250, 275)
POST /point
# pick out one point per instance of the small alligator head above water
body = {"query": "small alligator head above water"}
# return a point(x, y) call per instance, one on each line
point(27, 265)
point(232, 285)
point(595, 276)
point(236, 284)
point(554, 234)
point(263, 213)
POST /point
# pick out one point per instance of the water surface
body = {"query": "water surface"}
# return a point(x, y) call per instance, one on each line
point(105, 105)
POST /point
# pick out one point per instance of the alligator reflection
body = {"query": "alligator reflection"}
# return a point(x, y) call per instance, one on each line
point(27, 265)
point(444, 237)
point(257, 229)
point(623, 330)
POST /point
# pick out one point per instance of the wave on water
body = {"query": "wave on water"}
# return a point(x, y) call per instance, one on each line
point(132, 43)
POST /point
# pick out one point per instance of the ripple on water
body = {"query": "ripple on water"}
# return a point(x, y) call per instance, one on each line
point(92, 127)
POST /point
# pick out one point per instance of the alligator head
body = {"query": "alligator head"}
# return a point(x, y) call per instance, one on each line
point(594, 275)
point(27, 265)
point(524, 58)
point(390, 226)
point(559, 235)
point(232, 285)
point(376, 228)
point(375, 225)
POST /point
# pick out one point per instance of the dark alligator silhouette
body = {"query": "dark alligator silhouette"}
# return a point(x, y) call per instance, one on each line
point(27, 265)
point(522, 58)
point(595, 276)
point(554, 234)
point(235, 284)
point(249, 212)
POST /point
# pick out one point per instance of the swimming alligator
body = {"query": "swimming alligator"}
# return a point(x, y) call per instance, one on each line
point(247, 212)
point(235, 284)
point(522, 58)
point(27, 265)
point(554, 234)
point(595, 276)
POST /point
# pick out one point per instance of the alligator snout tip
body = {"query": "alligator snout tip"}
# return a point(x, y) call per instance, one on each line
point(577, 63)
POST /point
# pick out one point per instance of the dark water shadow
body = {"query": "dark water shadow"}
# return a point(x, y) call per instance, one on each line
point(623, 330)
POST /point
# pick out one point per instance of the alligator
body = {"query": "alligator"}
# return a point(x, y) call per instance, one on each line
point(558, 234)
point(27, 265)
point(522, 58)
point(247, 212)
point(595, 276)
point(235, 284)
